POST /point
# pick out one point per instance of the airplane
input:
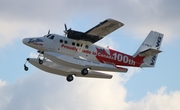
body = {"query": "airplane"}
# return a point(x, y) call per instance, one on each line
point(77, 54)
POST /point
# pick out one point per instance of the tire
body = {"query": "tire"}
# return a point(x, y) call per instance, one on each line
point(69, 78)
point(26, 68)
point(84, 71)
point(40, 62)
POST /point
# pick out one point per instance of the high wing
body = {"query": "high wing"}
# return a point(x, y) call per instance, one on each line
point(105, 28)
point(96, 33)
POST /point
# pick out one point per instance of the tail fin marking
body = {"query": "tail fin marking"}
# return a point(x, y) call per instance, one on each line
point(150, 49)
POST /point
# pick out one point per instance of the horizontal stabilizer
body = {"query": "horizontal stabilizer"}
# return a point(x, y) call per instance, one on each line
point(150, 48)
point(150, 52)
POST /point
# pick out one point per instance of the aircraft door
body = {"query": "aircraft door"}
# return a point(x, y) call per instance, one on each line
point(50, 43)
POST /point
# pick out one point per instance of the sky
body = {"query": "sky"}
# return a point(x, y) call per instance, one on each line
point(140, 88)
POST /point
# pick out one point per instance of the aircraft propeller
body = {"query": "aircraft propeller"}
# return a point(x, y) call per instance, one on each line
point(48, 32)
point(66, 30)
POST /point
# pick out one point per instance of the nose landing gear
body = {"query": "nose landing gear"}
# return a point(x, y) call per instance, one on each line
point(40, 58)
point(25, 67)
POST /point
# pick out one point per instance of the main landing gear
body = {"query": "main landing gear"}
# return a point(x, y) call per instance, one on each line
point(40, 56)
point(69, 78)
point(40, 61)
point(84, 71)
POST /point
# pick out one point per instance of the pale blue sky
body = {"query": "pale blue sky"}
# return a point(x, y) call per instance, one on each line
point(130, 90)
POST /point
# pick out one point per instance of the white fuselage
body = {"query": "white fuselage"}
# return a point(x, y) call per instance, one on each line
point(80, 49)
point(63, 45)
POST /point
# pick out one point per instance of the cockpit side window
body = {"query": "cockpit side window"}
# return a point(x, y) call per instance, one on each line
point(51, 37)
point(39, 40)
point(48, 35)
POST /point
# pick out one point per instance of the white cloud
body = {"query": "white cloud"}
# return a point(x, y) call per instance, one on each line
point(36, 17)
point(45, 91)
point(157, 101)
point(42, 91)
point(131, 71)
point(11, 30)
point(2, 83)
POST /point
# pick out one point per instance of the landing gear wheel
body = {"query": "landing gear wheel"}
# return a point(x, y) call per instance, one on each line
point(40, 61)
point(84, 71)
point(69, 78)
point(25, 68)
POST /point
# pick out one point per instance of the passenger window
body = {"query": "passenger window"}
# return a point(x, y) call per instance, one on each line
point(77, 44)
point(73, 43)
point(61, 41)
point(86, 46)
point(65, 42)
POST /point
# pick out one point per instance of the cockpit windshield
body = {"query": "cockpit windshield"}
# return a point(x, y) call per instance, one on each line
point(49, 36)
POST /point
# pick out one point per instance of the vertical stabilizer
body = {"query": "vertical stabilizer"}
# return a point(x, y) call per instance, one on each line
point(150, 49)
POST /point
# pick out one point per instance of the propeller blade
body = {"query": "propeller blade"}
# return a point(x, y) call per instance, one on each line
point(65, 27)
point(65, 31)
point(48, 32)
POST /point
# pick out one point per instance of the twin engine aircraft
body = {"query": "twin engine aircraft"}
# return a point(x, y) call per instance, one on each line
point(76, 54)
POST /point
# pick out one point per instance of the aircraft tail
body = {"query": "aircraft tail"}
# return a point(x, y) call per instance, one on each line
point(150, 49)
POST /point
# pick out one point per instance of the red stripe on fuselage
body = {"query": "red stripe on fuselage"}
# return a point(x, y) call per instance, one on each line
point(118, 58)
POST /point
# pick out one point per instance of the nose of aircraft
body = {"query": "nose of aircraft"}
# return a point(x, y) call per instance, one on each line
point(35, 42)
point(25, 41)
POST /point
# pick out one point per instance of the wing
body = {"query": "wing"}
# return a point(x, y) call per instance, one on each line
point(105, 28)
point(96, 33)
